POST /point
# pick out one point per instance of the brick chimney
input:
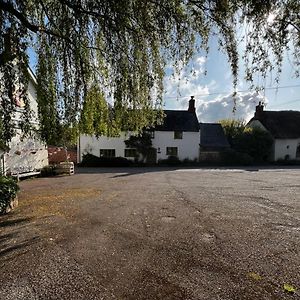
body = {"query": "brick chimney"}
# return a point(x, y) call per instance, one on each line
point(192, 104)
point(259, 111)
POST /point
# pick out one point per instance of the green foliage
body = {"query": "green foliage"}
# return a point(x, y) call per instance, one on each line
point(89, 160)
point(123, 47)
point(3, 145)
point(142, 143)
point(232, 157)
point(255, 142)
point(8, 191)
point(48, 171)
point(289, 288)
point(47, 96)
point(233, 128)
point(95, 113)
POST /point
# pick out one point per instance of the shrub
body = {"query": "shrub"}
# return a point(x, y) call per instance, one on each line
point(232, 157)
point(8, 191)
point(89, 160)
point(48, 171)
point(189, 161)
point(170, 161)
point(255, 142)
point(287, 162)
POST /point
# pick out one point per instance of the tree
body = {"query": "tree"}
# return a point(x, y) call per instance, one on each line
point(123, 46)
point(142, 143)
point(233, 129)
point(253, 141)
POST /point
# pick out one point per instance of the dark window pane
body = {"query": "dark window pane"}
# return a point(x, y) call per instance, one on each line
point(130, 153)
point(172, 151)
point(178, 135)
point(107, 152)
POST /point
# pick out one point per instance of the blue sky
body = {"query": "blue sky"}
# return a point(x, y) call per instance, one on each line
point(213, 91)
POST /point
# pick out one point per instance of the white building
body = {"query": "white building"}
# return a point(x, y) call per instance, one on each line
point(26, 156)
point(179, 136)
point(284, 126)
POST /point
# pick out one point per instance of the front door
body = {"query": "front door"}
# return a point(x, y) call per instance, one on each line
point(152, 156)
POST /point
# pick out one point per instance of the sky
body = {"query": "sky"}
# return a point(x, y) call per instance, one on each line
point(213, 91)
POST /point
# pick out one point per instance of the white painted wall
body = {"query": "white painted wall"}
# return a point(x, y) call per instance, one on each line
point(188, 146)
point(285, 147)
point(33, 101)
point(92, 144)
point(25, 156)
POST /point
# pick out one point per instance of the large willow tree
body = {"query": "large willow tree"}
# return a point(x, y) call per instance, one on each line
point(88, 49)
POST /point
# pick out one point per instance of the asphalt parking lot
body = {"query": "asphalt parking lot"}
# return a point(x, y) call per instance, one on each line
point(154, 234)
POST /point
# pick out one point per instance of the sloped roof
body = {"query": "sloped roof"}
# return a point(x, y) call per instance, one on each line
point(281, 124)
point(212, 135)
point(179, 120)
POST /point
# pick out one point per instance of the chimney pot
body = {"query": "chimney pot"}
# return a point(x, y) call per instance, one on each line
point(192, 104)
point(259, 110)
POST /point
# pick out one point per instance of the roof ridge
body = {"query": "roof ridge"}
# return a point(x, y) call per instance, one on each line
point(279, 111)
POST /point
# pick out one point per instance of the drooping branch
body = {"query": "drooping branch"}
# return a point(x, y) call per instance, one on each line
point(8, 7)
point(123, 47)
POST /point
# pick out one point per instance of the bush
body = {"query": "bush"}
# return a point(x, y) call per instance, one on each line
point(232, 157)
point(287, 162)
point(170, 161)
point(8, 191)
point(48, 171)
point(188, 161)
point(255, 142)
point(89, 160)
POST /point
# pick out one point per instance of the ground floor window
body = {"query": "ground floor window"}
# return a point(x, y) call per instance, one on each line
point(107, 152)
point(172, 151)
point(130, 152)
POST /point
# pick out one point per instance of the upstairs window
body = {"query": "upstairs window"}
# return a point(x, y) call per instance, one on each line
point(178, 135)
point(130, 152)
point(107, 153)
point(172, 151)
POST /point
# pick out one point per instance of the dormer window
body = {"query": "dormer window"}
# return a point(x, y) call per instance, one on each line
point(178, 135)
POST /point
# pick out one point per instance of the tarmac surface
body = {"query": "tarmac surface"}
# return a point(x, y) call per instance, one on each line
point(154, 233)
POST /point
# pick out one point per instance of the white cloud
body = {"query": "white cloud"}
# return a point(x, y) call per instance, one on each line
point(180, 86)
point(222, 107)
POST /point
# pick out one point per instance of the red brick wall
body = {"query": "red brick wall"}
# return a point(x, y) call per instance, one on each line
point(59, 154)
